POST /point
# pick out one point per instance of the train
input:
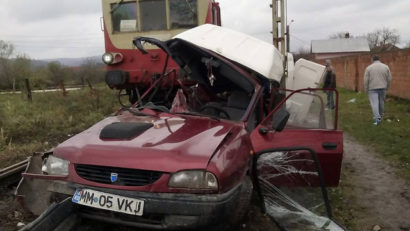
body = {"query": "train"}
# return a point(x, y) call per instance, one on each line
point(132, 72)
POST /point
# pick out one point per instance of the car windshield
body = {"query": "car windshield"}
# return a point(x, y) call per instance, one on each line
point(207, 86)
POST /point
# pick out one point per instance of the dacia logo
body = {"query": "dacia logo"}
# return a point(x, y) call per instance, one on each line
point(114, 177)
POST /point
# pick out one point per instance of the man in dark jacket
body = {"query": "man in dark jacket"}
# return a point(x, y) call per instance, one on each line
point(330, 83)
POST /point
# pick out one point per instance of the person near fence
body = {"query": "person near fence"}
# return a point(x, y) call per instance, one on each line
point(330, 84)
point(377, 79)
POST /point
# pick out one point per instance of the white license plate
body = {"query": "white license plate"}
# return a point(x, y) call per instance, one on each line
point(108, 201)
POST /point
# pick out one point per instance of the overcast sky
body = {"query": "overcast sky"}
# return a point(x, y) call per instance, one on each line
point(45, 29)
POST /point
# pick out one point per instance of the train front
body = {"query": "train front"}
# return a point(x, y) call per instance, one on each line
point(124, 20)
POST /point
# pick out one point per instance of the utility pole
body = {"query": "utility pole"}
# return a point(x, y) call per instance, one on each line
point(278, 32)
point(278, 25)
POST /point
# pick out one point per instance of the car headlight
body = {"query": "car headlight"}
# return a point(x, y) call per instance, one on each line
point(193, 179)
point(55, 166)
point(108, 58)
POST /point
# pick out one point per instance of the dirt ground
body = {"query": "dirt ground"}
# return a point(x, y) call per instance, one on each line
point(373, 193)
point(372, 196)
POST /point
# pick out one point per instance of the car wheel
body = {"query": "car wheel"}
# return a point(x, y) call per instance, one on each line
point(242, 208)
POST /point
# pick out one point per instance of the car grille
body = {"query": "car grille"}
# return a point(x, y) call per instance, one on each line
point(125, 176)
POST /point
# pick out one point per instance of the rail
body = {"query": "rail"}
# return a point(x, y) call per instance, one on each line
point(12, 174)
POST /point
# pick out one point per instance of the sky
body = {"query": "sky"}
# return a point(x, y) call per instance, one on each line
point(45, 29)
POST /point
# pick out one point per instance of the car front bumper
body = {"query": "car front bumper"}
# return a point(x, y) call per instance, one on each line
point(168, 211)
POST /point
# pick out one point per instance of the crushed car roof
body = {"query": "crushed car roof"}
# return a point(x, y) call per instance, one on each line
point(258, 55)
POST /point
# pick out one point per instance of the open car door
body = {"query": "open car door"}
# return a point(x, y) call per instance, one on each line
point(298, 152)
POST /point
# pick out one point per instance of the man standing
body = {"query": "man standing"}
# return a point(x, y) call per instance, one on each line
point(330, 83)
point(377, 79)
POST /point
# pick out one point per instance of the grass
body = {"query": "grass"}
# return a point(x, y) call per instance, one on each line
point(390, 138)
point(48, 120)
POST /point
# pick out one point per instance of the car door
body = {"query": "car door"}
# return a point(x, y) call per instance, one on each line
point(309, 123)
point(297, 153)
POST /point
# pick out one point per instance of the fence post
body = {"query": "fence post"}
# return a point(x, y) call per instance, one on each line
point(89, 84)
point(29, 96)
point(62, 87)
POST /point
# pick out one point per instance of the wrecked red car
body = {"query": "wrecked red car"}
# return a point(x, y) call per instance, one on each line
point(185, 158)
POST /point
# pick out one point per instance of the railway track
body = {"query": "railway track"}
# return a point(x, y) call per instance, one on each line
point(11, 175)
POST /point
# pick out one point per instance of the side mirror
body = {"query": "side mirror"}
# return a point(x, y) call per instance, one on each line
point(279, 120)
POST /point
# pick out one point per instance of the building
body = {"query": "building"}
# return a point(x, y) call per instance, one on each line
point(330, 48)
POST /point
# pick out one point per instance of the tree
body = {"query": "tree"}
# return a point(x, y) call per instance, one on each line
point(92, 71)
point(40, 78)
point(407, 45)
point(55, 72)
point(21, 69)
point(6, 50)
point(304, 53)
point(342, 34)
point(383, 39)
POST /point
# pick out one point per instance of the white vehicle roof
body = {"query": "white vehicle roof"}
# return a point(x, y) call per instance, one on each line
point(258, 55)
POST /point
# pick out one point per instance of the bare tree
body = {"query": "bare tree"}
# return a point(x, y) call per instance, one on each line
point(55, 72)
point(407, 45)
point(92, 71)
point(6, 50)
point(342, 34)
point(21, 68)
point(303, 53)
point(383, 39)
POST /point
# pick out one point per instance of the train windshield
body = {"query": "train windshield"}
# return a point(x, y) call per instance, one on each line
point(150, 15)
point(124, 16)
point(183, 13)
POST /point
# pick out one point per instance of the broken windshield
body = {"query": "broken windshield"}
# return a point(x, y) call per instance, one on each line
point(207, 85)
point(183, 13)
point(285, 177)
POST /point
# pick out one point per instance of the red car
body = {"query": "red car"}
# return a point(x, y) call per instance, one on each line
point(186, 158)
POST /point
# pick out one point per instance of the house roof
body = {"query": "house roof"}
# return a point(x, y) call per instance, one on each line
point(340, 45)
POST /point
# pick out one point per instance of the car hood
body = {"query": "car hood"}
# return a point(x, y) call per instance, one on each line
point(257, 55)
point(173, 143)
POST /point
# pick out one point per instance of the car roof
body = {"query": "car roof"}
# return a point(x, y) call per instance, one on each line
point(255, 54)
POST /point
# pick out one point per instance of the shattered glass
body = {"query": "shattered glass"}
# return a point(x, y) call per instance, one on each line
point(291, 191)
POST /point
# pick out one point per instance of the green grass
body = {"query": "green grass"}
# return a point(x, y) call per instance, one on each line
point(48, 120)
point(391, 138)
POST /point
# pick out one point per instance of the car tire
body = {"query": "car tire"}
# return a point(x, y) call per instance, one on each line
point(242, 208)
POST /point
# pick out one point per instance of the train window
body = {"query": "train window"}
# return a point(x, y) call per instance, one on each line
point(183, 13)
point(124, 17)
point(153, 15)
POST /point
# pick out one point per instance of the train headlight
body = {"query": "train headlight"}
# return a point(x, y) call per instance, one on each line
point(112, 58)
point(55, 166)
point(108, 58)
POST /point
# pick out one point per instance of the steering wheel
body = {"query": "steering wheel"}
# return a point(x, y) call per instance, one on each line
point(216, 109)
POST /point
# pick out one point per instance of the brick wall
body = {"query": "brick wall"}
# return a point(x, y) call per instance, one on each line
point(350, 71)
